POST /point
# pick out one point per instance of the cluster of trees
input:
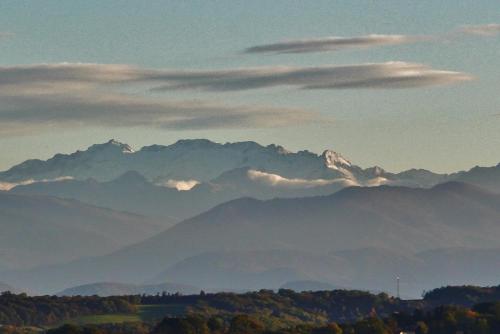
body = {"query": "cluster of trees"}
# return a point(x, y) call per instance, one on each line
point(266, 311)
point(124, 328)
point(481, 319)
point(462, 295)
point(21, 310)
point(287, 307)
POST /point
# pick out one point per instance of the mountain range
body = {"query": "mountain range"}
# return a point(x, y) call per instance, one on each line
point(191, 176)
point(323, 238)
point(241, 216)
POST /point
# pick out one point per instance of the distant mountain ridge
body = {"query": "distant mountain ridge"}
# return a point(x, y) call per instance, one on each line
point(403, 221)
point(7, 288)
point(120, 289)
point(203, 160)
point(254, 213)
point(40, 230)
point(132, 192)
point(197, 159)
point(206, 174)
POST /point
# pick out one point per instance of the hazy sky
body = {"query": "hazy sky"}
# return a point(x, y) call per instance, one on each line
point(398, 84)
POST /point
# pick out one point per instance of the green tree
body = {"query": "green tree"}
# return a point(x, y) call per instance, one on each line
point(421, 328)
point(331, 328)
point(244, 324)
point(188, 325)
point(372, 325)
point(216, 325)
point(481, 327)
point(66, 329)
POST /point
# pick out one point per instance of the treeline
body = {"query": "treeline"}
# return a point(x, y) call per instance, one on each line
point(481, 319)
point(275, 310)
point(287, 307)
point(462, 295)
point(21, 310)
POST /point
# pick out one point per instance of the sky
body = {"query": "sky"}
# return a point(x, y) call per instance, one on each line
point(398, 84)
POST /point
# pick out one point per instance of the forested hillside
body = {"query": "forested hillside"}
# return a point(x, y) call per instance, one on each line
point(475, 310)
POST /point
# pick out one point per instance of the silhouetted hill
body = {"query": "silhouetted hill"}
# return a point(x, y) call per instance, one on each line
point(398, 220)
point(121, 289)
point(41, 230)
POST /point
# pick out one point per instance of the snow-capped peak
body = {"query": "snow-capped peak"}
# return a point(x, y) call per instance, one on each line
point(112, 145)
point(334, 160)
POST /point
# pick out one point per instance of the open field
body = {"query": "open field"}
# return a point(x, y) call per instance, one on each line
point(145, 313)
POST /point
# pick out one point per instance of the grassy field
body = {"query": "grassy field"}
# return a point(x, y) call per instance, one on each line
point(103, 319)
point(145, 313)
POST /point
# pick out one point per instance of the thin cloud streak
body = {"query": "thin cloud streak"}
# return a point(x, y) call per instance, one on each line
point(4, 34)
point(45, 79)
point(388, 75)
point(36, 112)
point(334, 43)
point(38, 97)
point(491, 29)
point(337, 43)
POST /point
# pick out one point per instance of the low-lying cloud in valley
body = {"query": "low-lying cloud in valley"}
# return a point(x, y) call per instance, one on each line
point(181, 185)
point(5, 186)
point(275, 180)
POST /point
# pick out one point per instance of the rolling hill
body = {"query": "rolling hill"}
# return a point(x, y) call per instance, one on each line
point(404, 221)
point(43, 230)
point(106, 289)
point(134, 193)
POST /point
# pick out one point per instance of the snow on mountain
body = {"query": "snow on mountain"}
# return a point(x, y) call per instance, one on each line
point(187, 163)
point(335, 160)
point(197, 160)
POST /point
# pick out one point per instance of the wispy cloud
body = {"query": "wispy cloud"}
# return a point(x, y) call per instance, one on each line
point(491, 29)
point(49, 79)
point(388, 75)
point(5, 35)
point(35, 97)
point(334, 43)
point(338, 43)
point(39, 96)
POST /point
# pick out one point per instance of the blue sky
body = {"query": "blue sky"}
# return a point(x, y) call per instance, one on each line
point(443, 127)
